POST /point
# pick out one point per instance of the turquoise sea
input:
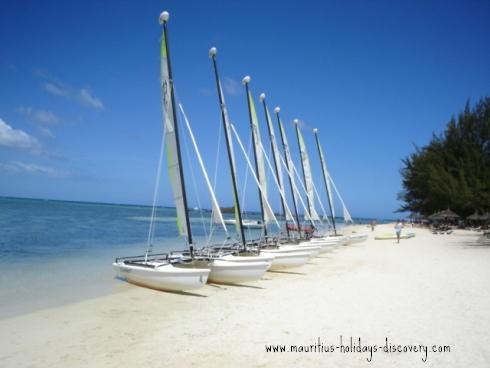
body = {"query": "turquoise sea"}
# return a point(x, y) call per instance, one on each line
point(54, 252)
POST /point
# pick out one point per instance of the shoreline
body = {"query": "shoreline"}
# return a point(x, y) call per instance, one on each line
point(430, 289)
point(36, 282)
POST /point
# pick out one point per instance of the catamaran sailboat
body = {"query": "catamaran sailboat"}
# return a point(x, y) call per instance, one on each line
point(159, 271)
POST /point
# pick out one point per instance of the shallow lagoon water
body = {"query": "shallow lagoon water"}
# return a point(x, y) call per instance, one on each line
point(55, 252)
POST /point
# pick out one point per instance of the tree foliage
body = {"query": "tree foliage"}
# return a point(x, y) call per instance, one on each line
point(453, 170)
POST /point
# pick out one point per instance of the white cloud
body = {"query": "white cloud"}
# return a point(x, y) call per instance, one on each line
point(41, 116)
point(82, 96)
point(231, 86)
point(56, 89)
point(87, 99)
point(17, 167)
point(16, 138)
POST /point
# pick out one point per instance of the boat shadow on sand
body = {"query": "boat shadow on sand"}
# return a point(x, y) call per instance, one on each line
point(225, 286)
point(476, 244)
point(288, 272)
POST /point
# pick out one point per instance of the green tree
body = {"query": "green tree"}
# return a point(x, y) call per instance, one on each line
point(453, 170)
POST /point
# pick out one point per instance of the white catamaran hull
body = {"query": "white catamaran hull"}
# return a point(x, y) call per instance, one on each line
point(258, 258)
point(230, 272)
point(314, 249)
point(325, 246)
point(163, 277)
point(292, 248)
point(330, 240)
point(285, 260)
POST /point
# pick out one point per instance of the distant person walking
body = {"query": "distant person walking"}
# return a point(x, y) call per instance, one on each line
point(373, 225)
point(398, 230)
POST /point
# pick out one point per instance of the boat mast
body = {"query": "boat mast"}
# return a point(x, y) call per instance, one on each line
point(325, 179)
point(224, 118)
point(164, 20)
point(246, 81)
point(296, 123)
point(286, 149)
point(276, 167)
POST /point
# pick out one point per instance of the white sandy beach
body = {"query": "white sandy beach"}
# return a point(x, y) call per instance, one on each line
point(430, 290)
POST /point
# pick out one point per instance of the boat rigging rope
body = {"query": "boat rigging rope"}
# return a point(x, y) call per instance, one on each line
point(151, 230)
point(325, 216)
point(344, 207)
point(193, 177)
point(216, 166)
point(244, 190)
point(194, 185)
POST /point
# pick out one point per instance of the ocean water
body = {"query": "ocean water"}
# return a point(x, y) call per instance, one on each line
point(56, 252)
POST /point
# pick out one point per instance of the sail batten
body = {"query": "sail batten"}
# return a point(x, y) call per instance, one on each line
point(327, 181)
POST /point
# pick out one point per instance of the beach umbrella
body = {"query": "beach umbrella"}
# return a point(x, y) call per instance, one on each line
point(435, 216)
point(485, 217)
point(448, 214)
point(474, 216)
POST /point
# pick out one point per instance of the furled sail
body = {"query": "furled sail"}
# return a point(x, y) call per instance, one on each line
point(277, 160)
point(296, 192)
point(289, 215)
point(294, 171)
point(231, 153)
point(267, 207)
point(305, 160)
point(289, 160)
point(171, 144)
point(268, 213)
point(327, 176)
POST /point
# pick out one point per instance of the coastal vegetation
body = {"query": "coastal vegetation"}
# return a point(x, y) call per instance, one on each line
point(453, 170)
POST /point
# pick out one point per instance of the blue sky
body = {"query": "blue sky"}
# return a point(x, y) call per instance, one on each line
point(80, 100)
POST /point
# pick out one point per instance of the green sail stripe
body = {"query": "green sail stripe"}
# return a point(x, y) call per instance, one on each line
point(163, 47)
point(254, 113)
point(269, 121)
point(302, 142)
point(168, 155)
